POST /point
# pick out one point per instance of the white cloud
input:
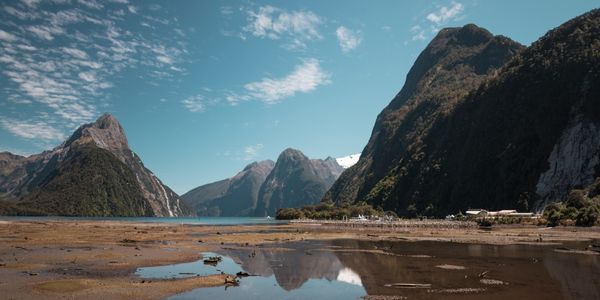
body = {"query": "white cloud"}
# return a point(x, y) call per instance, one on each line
point(274, 23)
point(132, 9)
point(194, 103)
point(30, 3)
point(435, 20)
point(75, 53)
point(8, 37)
point(91, 4)
point(251, 152)
point(164, 59)
point(44, 32)
point(305, 78)
point(226, 10)
point(26, 47)
point(87, 76)
point(418, 33)
point(32, 130)
point(347, 38)
point(445, 14)
point(51, 61)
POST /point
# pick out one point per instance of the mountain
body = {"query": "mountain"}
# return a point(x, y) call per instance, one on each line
point(235, 196)
point(482, 122)
point(93, 173)
point(296, 181)
point(348, 161)
point(263, 187)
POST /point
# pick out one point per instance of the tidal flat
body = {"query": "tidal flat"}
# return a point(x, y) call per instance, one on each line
point(57, 259)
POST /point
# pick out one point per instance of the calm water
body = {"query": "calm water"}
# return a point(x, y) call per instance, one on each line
point(349, 269)
point(182, 220)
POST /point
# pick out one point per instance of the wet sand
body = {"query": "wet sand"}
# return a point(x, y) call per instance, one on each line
point(98, 259)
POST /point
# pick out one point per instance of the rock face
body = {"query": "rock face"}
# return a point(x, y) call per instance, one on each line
point(95, 171)
point(482, 122)
point(235, 196)
point(572, 162)
point(296, 181)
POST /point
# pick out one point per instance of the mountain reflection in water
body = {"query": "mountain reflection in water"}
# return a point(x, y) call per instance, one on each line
point(350, 269)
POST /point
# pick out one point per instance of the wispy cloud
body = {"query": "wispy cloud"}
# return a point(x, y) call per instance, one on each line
point(251, 152)
point(62, 57)
point(305, 78)
point(418, 33)
point(446, 13)
point(294, 27)
point(194, 103)
point(348, 39)
point(32, 130)
point(435, 20)
point(5, 36)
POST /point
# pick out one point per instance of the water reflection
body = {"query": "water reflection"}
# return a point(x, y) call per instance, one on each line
point(349, 269)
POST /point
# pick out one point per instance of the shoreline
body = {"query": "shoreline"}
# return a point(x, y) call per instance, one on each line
point(97, 259)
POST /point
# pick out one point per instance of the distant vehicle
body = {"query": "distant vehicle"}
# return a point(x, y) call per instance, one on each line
point(359, 218)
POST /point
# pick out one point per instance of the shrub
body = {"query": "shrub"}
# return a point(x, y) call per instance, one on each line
point(588, 216)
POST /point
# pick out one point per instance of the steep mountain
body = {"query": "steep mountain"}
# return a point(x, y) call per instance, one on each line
point(296, 181)
point(482, 123)
point(235, 196)
point(93, 173)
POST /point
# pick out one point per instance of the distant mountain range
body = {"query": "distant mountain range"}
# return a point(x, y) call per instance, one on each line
point(263, 187)
point(483, 121)
point(93, 173)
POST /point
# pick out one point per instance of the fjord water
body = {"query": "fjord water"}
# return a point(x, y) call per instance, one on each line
point(178, 220)
point(350, 269)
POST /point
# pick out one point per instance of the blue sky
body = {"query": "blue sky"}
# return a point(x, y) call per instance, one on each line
point(203, 88)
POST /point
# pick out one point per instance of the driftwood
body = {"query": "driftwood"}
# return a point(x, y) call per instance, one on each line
point(231, 280)
point(409, 285)
point(212, 260)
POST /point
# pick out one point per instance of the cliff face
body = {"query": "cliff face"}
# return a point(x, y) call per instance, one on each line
point(122, 180)
point(518, 135)
point(572, 163)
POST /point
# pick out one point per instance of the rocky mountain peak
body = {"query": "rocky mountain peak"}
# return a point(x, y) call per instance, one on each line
point(291, 155)
point(105, 132)
point(107, 121)
point(259, 164)
point(472, 34)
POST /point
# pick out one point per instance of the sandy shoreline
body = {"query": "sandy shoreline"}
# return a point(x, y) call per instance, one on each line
point(97, 259)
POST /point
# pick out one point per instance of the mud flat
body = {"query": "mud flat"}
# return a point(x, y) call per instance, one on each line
point(98, 259)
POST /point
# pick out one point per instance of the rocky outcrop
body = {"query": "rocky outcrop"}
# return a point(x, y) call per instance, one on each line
point(573, 162)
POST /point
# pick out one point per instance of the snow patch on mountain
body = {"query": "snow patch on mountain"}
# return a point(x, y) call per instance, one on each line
point(348, 161)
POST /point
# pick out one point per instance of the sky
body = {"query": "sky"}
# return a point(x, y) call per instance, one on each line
point(203, 88)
